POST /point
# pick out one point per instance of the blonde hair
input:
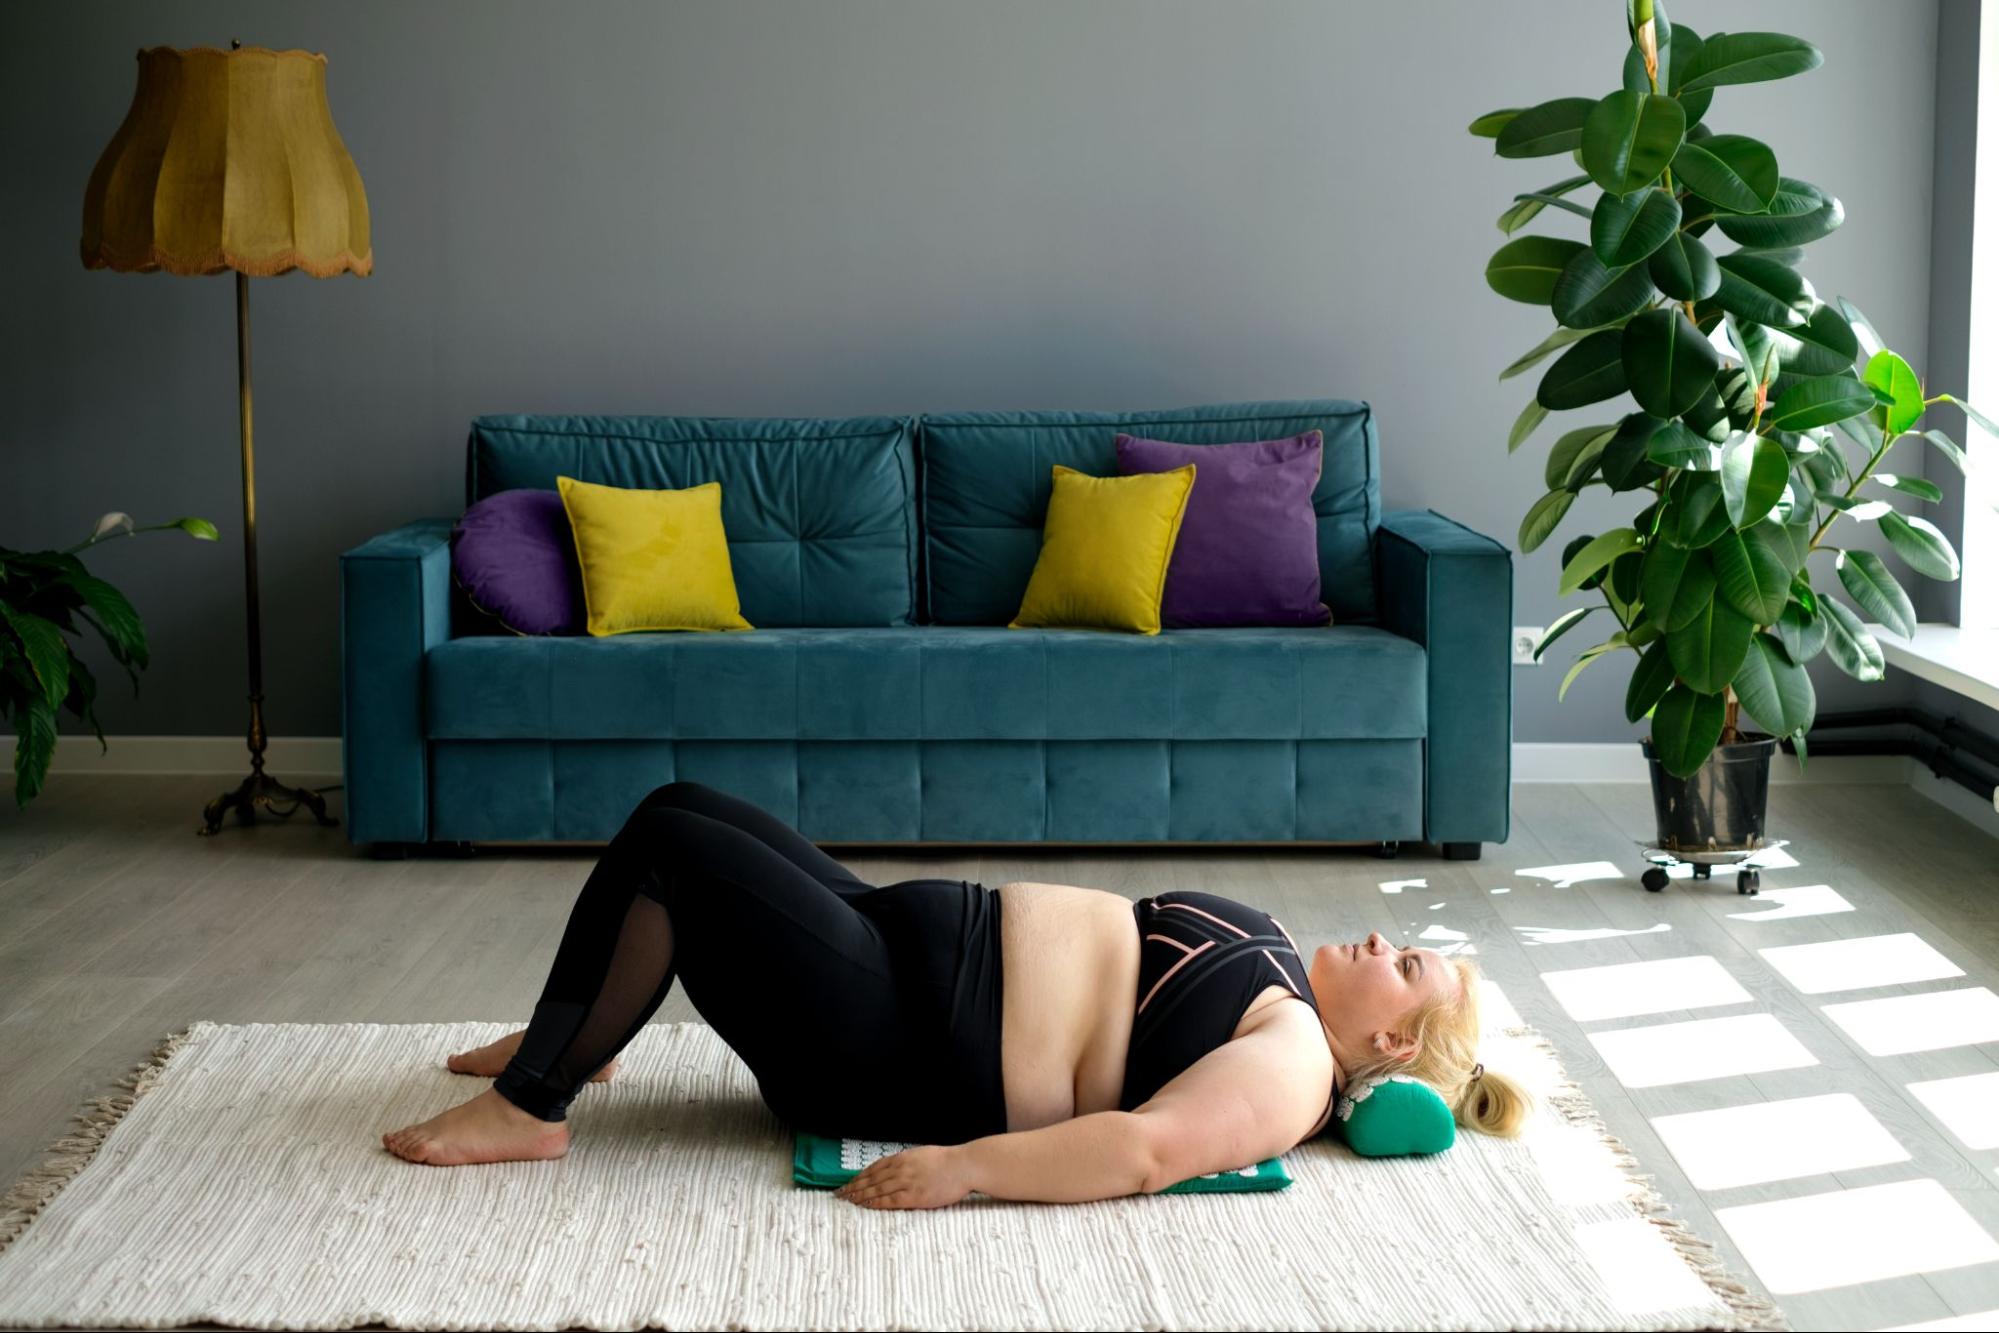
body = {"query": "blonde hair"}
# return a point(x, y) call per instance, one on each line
point(1446, 1032)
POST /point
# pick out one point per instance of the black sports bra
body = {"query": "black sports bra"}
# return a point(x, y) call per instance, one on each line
point(1202, 960)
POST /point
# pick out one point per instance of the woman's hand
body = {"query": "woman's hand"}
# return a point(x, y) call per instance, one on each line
point(923, 1177)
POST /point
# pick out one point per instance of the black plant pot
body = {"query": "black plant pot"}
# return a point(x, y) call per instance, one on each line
point(1721, 807)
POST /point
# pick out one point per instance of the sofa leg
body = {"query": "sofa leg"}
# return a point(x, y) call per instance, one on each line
point(1389, 850)
point(1461, 851)
point(389, 851)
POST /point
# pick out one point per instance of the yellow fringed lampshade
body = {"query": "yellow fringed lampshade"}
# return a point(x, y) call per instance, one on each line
point(227, 160)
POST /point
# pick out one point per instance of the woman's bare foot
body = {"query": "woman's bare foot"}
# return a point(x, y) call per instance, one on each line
point(487, 1061)
point(489, 1128)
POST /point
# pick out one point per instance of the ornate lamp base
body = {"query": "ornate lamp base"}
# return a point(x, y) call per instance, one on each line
point(260, 788)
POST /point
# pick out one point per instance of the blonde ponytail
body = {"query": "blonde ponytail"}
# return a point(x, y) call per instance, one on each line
point(1446, 1031)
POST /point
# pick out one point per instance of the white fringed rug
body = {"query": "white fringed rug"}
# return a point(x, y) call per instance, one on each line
point(241, 1180)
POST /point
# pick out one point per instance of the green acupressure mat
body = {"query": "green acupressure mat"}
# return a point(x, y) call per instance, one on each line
point(822, 1163)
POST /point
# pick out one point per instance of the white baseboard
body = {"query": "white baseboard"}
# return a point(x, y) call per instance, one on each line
point(1954, 798)
point(1623, 761)
point(287, 758)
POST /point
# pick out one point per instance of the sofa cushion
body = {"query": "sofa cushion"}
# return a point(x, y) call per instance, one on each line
point(987, 479)
point(937, 682)
point(821, 514)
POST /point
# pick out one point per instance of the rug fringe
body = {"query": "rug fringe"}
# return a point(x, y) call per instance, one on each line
point(1753, 1312)
point(68, 1155)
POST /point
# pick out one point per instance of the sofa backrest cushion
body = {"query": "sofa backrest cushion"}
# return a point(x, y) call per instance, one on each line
point(987, 478)
point(820, 513)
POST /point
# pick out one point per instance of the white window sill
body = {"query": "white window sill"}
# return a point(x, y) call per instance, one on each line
point(1965, 661)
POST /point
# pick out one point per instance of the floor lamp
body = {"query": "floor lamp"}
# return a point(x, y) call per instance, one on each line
point(228, 160)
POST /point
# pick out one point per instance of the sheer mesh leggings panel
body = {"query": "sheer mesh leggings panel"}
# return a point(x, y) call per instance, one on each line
point(775, 957)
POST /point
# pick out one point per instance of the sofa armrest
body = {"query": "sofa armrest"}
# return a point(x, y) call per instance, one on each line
point(395, 604)
point(1451, 590)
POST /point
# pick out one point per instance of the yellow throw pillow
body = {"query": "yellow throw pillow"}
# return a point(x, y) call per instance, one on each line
point(652, 559)
point(1105, 546)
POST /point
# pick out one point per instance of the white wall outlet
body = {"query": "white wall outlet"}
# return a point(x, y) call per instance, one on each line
point(1524, 639)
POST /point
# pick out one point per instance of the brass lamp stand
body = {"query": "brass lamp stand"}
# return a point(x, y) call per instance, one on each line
point(260, 788)
point(228, 160)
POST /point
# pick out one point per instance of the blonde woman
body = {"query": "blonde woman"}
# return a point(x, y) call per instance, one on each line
point(1047, 1042)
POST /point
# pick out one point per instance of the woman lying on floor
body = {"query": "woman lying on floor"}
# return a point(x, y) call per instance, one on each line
point(1055, 1043)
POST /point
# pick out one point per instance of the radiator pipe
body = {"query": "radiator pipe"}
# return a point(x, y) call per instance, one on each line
point(1953, 734)
point(1939, 758)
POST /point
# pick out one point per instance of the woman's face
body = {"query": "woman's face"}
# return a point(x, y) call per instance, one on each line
point(1368, 991)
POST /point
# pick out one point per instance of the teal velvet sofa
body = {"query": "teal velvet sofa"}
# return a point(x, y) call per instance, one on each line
point(881, 697)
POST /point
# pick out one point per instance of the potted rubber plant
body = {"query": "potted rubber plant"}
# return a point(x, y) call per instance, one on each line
point(42, 596)
point(1760, 424)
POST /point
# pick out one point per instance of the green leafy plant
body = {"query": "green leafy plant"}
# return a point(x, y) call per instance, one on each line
point(42, 596)
point(1753, 434)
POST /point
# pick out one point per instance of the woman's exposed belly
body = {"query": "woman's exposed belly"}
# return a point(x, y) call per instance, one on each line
point(1069, 972)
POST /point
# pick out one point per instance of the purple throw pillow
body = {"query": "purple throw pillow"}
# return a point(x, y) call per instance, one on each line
point(514, 555)
point(1248, 552)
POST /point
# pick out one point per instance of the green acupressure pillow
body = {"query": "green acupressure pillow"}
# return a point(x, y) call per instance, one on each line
point(1397, 1116)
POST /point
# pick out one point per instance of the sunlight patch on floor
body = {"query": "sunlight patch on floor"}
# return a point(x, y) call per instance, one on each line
point(1968, 1107)
point(1901, 1024)
point(1857, 1235)
point(1625, 990)
point(1703, 1048)
point(1875, 960)
point(1765, 1141)
point(1785, 904)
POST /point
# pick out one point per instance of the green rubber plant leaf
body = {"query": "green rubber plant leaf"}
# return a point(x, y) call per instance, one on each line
point(1863, 330)
point(1542, 517)
point(1551, 127)
point(1675, 445)
point(1544, 349)
point(1667, 363)
point(1565, 622)
point(1860, 511)
point(1774, 690)
point(1525, 268)
point(1819, 400)
point(1707, 649)
point(1676, 583)
point(1763, 291)
point(1697, 516)
point(1982, 421)
point(1752, 342)
point(1920, 487)
point(1624, 229)
point(1684, 269)
point(1491, 123)
point(1589, 372)
point(1587, 295)
point(1596, 556)
point(1802, 634)
point(1800, 214)
point(1629, 138)
point(1867, 581)
point(1649, 681)
point(1685, 727)
point(1731, 171)
point(1575, 456)
point(1528, 206)
point(1919, 542)
point(1897, 379)
point(1948, 447)
point(1589, 655)
point(1751, 574)
point(1524, 425)
point(1847, 642)
point(1823, 345)
point(1625, 466)
point(1754, 472)
point(1748, 57)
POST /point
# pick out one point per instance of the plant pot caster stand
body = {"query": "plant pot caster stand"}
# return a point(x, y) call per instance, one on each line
point(1748, 875)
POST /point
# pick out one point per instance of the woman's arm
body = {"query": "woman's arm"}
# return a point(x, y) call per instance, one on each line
point(1098, 1156)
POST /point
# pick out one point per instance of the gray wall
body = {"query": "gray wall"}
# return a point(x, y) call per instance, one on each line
point(743, 207)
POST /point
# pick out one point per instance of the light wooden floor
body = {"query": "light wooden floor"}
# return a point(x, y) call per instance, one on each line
point(118, 926)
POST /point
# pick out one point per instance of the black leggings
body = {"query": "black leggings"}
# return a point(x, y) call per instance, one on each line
point(864, 1012)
